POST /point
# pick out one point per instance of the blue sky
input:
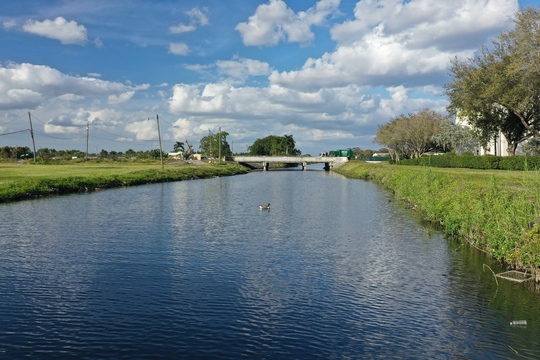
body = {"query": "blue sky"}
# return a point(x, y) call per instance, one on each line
point(327, 72)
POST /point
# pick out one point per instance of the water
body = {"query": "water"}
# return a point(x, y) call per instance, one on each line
point(336, 269)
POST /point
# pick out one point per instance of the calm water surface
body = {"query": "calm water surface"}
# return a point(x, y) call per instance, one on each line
point(336, 269)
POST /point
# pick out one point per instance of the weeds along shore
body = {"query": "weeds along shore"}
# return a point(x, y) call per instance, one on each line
point(495, 211)
point(29, 180)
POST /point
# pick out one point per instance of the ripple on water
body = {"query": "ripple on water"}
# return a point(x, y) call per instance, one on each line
point(195, 269)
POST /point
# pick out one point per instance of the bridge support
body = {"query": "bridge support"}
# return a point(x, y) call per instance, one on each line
point(265, 166)
point(327, 166)
point(304, 166)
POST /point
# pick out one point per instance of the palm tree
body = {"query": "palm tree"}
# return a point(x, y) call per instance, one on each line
point(178, 146)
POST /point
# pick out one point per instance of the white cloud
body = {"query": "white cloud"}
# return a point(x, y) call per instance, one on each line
point(426, 22)
point(67, 32)
point(196, 16)
point(98, 43)
point(241, 68)
point(122, 98)
point(178, 48)
point(20, 98)
point(69, 97)
point(25, 86)
point(393, 42)
point(329, 114)
point(275, 22)
point(143, 130)
point(181, 28)
point(9, 24)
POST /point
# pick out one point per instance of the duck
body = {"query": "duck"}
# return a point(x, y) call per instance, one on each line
point(264, 207)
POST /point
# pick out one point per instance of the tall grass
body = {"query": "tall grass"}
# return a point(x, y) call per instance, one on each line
point(497, 212)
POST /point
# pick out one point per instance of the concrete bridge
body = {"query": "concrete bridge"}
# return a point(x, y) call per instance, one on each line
point(329, 162)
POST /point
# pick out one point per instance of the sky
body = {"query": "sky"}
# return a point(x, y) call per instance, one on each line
point(327, 72)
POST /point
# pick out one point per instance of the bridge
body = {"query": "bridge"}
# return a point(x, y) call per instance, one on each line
point(265, 161)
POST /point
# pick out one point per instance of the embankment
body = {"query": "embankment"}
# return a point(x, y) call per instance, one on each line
point(30, 184)
point(495, 211)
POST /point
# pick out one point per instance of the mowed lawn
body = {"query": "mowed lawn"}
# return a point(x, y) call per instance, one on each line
point(13, 172)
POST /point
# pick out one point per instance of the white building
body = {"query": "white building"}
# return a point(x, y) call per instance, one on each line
point(176, 155)
point(497, 147)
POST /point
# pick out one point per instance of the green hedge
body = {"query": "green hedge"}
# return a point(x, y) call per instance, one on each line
point(487, 162)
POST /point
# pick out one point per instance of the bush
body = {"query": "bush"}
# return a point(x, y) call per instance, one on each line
point(487, 162)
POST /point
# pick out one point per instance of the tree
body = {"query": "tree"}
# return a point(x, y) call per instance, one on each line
point(5, 152)
point(532, 147)
point(178, 146)
point(456, 138)
point(187, 152)
point(210, 145)
point(477, 95)
point(412, 135)
point(21, 151)
point(130, 153)
point(275, 145)
point(499, 89)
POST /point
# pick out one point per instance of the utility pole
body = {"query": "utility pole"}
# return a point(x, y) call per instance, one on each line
point(87, 131)
point(159, 137)
point(219, 152)
point(210, 141)
point(32, 134)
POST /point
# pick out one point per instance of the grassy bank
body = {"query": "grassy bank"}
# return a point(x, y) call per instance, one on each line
point(28, 180)
point(495, 211)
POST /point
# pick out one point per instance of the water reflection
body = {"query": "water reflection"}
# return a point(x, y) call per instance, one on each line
point(195, 269)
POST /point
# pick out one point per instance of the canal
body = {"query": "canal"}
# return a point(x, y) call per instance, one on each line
point(336, 269)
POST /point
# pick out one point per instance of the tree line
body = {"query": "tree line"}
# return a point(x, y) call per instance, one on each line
point(24, 152)
point(210, 146)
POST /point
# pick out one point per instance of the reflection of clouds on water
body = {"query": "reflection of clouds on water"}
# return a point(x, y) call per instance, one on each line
point(335, 269)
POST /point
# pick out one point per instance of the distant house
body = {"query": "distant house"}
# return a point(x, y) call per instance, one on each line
point(176, 155)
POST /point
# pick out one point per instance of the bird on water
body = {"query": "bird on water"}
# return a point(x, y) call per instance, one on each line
point(264, 207)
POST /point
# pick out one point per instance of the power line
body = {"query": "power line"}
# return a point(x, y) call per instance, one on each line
point(51, 136)
point(10, 121)
point(15, 132)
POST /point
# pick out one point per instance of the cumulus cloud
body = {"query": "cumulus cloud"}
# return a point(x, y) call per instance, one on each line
point(25, 86)
point(143, 130)
point(179, 48)
point(275, 103)
point(424, 22)
point(393, 42)
point(327, 114)
point(66, 124)
point(274, 22)
point(67, 32)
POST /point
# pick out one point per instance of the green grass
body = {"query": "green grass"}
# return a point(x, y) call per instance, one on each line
point(27, 180)
point(495, 211)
